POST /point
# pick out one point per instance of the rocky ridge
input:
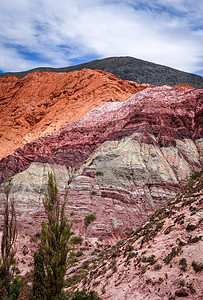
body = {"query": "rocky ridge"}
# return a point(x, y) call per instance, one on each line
point(130, 68)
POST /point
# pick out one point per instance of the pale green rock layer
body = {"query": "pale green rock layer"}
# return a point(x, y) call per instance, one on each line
point(123, 182)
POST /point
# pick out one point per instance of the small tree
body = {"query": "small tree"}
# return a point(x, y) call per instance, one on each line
point(87, 221)
point(8, 249)
point(55, 235)
point(39, 282)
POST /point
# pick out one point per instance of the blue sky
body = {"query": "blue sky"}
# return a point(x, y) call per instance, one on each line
point(61, 33)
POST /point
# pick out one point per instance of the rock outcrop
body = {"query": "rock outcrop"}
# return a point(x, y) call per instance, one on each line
point(42, 103)
point(124, 160)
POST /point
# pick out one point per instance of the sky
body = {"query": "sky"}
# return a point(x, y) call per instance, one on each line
point(61, 33)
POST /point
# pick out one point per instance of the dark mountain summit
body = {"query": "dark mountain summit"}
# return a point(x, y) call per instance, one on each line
point(129, 68)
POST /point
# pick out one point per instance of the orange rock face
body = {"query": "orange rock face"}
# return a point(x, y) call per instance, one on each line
point(42, 103)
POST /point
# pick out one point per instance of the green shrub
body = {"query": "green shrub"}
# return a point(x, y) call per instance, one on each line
point(132, 254)
point(89, 219)
point(99, 173)
point(143, 269)
point(191, 287)
point(157, 267)
point(82, 295)
point(33, 238)
point(150, 259)
point(76, 240)
point(171, 255)
point(195, 175)
point(183, 264)
point(85, 265)
point(198, 267)
point(79, 253)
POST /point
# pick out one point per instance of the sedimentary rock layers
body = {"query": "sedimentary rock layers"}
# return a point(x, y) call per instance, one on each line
point(124, 160)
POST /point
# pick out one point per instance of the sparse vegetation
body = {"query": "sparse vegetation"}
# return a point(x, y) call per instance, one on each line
point(181, 293)
point(195, 175)
point(174, 252)
point(143, 269)
point(191, 287)
point(198, 267)
point(33, 239)
point(76, 240)
point(157, 267)
point(89, 219)
point(14, 290)
point(99, 173)
point(149, 259)
point(183, 264)
point(82, 295)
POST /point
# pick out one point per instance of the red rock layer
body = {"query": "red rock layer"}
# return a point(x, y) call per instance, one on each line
point(167, 113)
point(42, 103)
point(183, 86)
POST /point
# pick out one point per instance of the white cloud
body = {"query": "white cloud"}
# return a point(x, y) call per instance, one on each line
point(54, 33)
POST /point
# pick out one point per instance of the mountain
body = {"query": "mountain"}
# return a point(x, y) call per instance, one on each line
point(129, 68)
point(124, 160)
point(125, 151)
point(42, 103)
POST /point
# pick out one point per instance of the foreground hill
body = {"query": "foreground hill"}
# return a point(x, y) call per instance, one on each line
point(42, 103)
point(130, 68)
point(162, 259)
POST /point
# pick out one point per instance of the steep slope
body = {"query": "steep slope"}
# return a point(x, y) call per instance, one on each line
point(162, 259)
point(130, 68)
point(125, 161)
point(42, 103)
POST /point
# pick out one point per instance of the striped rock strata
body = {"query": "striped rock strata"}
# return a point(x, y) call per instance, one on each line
point(124, 160)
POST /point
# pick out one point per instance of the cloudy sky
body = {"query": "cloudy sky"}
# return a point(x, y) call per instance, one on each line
point(61, 33)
